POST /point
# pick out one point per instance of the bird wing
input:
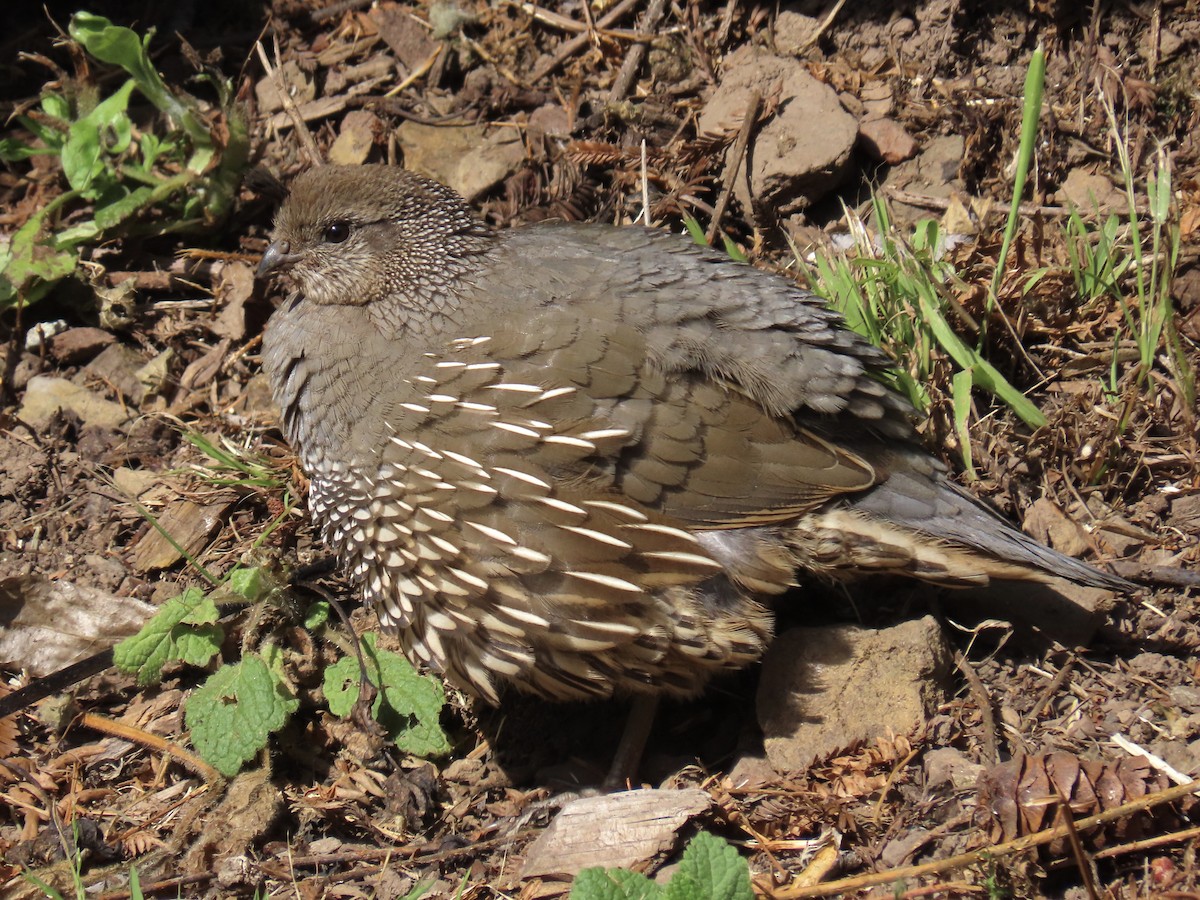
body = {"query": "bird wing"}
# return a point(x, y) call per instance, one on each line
point(584, 402)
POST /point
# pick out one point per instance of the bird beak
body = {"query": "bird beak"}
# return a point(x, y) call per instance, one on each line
point(278, 257)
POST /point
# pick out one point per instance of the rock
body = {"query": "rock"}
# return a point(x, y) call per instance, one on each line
point(357, 137)
point(156, 374)
point(118, 366)
point(945, 765)
point(933, 172)
point(1050, 525)
point(1169, 44)
point(300, 88)
point(134, 482)
point(878, 99)
point(45, 395)
point(826, 689)
point(468, 158)
point(752, 770)
point(40, 334)
point(1089, 191)
point(803, 152)
point(900, 850)
point(407, 38)
point(549, 120)
point(794, 32)
point(1185, 511)
point(76, 345)
point(886, 140)
point(28, 366)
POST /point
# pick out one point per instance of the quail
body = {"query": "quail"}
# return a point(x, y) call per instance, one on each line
point(585, 459)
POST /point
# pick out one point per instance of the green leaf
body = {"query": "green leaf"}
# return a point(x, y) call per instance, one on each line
point(104, 132)
point(120, 46)
point(32, 264)
point(184, 629)
point(12, 150)
point(235, 711)
point(316, 615)
point(711, 869)
point(408, 704)
point(250, 583)
point(733, 251)
point(984, 374)
point(613, 884)
point(960, 391)
point(113, 214)
point(56, 106)
point(695, 229)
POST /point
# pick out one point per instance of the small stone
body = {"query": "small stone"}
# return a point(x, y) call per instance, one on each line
point(1050, 525)
point(899, 850)
point(41, 333)
point(794, 32)
point(45, 395)
point(1169, 44)
point(118, 366)
point(886, 140)
point(154, 374)
point(75, 345)
point(799, 155)
point(469, 159)
point(945, 765)
point(407, 38)
point(296, 82)
point(134, 482)
point(829, 688)
point(357, 137)
point(1090, 191)
point(550, 120)
point(878, 99)
point(932, 172)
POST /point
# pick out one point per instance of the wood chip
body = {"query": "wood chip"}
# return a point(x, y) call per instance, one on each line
point(616, 830)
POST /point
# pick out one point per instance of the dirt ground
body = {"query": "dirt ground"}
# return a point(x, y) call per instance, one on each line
point(532, 104)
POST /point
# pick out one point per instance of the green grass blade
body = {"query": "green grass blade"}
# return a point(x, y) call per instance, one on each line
point(1035, 83)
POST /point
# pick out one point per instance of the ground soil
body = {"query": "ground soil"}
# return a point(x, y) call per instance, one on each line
point(312, 819)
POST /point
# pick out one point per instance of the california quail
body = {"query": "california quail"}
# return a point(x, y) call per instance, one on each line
point(584, 459)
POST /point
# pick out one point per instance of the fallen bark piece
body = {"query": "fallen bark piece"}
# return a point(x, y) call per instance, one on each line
point(616, 830)
point(50, 624)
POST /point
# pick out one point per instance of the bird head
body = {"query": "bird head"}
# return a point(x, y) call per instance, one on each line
point(353, 235)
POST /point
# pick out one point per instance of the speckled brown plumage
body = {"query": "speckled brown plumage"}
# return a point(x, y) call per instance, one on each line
point(583, 459)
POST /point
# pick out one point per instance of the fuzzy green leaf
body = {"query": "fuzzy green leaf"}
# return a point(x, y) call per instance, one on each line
point(184, 629)
point(613, 884)
point(316, 615)
point(408, 704)
point(710, 870)
point(250, 583)
point(235, 711)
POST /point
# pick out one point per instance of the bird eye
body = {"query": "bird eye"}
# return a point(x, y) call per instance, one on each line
point(336, 232)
